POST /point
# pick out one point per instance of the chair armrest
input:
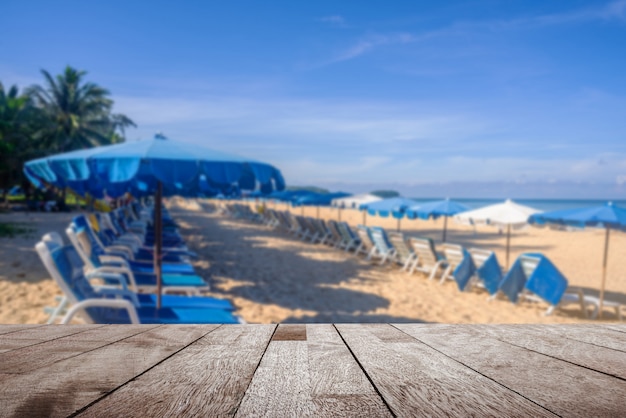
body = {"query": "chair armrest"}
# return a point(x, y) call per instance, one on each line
point(121, 293)
point(114, 259)
point(122, 275)
point(103, 303)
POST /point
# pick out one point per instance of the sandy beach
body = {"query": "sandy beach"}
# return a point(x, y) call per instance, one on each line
point(273, 277)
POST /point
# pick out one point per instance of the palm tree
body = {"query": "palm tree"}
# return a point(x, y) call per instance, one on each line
point(80, 112)
point(20, 123)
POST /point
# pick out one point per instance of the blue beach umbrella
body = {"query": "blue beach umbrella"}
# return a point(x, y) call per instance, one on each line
point(607, 217)
point(395, 206)
point(436, 209)
point(152, 167)
point(319, 199)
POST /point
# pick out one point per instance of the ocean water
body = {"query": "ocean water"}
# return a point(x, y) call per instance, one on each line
point(540, 204)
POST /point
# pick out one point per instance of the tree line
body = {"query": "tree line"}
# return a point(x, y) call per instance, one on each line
point(66, 113)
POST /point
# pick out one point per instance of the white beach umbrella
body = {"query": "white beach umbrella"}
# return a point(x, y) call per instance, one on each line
point(508, 214)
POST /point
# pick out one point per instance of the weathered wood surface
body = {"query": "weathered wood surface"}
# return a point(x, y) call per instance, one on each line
point(313, 370)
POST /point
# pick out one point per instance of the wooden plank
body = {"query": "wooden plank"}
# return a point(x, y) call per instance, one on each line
point(66, 386)
point(590, 334)
point(207, 378)
point(5, 329)
point(561, 387)
point(313, 377)
point(48, 332)
point(616, 327)
point(601, 359)
point(35, 356)
point(416, 380)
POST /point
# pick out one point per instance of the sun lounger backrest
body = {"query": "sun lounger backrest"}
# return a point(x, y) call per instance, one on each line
point(334, 229)
point(453, 254)
point(399, 243)
point(479, 256)
point(379, 237)
point(529, 264)
point(424, 250)
point(364, 235)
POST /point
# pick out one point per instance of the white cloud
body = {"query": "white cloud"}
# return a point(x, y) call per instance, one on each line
point(615, 10)
point(333, 20)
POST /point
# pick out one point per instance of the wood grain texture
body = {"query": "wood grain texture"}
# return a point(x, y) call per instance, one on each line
point(317, 377)
point(415, 380)
point(616, 327)
point(591, 334)
point(207, 378)
point(5, 329)
point(34, 356)
point(66, 386)
point(601, 359)
point(48, 332)
point(290, 332)
point(564, 388)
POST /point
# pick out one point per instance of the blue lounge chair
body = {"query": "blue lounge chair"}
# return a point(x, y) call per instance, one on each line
point(427, 260)
point(460, 266)
point(404, 255)
point(533, 277)
point(384, 250)
point(488, 270)
point(118, 305)
point(125, 253)
point(104, 264)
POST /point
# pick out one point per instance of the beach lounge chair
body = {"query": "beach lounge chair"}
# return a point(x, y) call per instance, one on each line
point(138, 279)
point(350, 240)
point(115, 305)
point(533, 277)
point(138, 264)
point(384, 250)
point(336, 240)
point(459, 265)
point(367, 245)
point(404, 254)
point(323, 234)
point(488, 271)
point(427, 260)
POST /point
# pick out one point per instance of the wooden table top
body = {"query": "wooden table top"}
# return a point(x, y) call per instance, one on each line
point(313, 370)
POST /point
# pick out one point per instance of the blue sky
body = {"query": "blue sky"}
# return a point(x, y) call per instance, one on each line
point(460, 99)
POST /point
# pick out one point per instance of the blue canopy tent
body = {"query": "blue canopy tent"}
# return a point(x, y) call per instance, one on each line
point(318, 199)
point(607, 217)
point(149, 167)
point(436, 209)
point(395, 206)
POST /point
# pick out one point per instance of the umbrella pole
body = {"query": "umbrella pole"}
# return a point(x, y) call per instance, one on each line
point(445, 227)
point(317, 211)
point(606, 252)
point(158, 242)
point(339, 214)
point(508, 245)
point(398, 227)
point(365, 217)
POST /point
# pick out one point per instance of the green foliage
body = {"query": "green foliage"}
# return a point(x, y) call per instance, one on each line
point(65, 114)
point(308, 189)
point(385, 194)
point(79, 112)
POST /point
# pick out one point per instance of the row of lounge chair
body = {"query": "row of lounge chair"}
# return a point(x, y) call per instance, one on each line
point(107, 274)
point(532, 277)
